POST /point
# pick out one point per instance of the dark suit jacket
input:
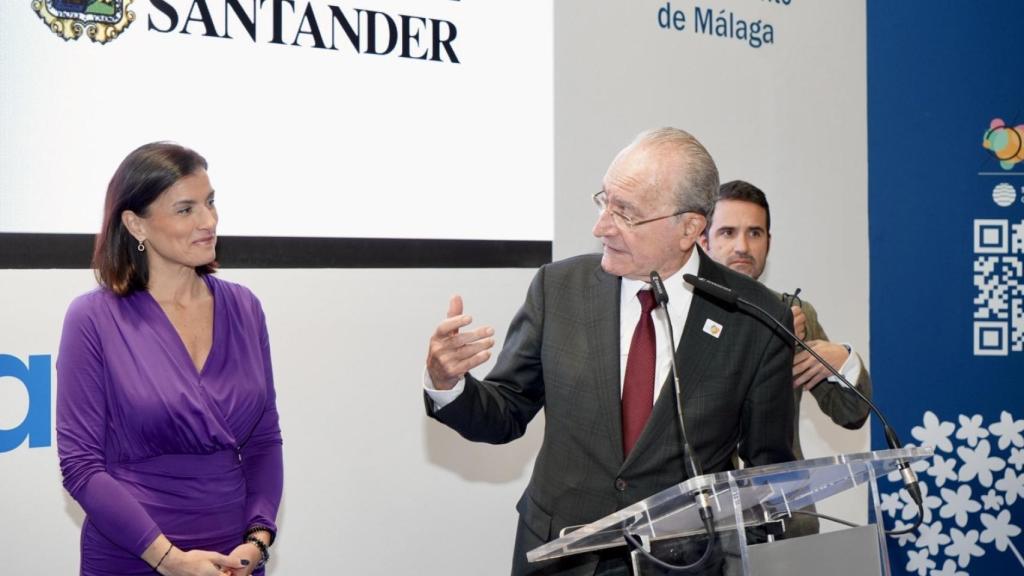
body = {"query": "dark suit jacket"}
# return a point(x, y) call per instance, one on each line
point(562, 354)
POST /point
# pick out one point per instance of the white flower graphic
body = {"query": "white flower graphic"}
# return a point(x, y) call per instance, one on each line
point(999, 530)
point(1016, 458)
point(964, 546)
point(934, 433)
point(978, 463)
point(979, 475)
point(910, 507)
point(943, 469)
point(948, 569)
point(891, 503)
point(992, 500)
point(1011, 485)
point(959, 504)
point(918, 561)
point(1008, 431)
point(930, 536)
point(902, 539)
point(971, 429)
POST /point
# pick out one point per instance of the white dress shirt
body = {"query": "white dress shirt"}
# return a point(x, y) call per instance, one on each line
point(851, 368)
point(680, 294)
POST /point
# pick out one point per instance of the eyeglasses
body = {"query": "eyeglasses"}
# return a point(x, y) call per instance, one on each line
point(620, 219)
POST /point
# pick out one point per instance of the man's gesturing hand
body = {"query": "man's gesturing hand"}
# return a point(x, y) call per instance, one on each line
point(453, 353)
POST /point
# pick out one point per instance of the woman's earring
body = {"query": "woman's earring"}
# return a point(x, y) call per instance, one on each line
point(142, 247)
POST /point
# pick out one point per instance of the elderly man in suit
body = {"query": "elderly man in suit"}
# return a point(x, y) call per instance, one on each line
point(587, 347)
point(739, 236)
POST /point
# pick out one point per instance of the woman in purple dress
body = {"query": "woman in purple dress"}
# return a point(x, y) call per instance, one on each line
point(167, 427)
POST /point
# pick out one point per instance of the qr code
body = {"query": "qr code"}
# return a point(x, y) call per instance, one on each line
point(999, 281)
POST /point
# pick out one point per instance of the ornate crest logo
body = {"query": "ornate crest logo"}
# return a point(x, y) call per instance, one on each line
point(101, 20)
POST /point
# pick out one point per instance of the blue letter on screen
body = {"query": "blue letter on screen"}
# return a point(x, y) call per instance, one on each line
point(36, 379)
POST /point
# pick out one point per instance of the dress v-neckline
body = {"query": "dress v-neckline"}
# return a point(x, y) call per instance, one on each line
point(173, 334)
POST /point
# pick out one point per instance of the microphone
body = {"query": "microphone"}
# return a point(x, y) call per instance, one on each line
point(661, 296)
point(693, 469)
point(726, 295)
point(729, 296)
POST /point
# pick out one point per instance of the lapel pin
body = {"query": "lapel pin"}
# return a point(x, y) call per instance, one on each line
point(712, 327)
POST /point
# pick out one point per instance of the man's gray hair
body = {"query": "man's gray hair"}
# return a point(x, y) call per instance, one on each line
point(695, 186)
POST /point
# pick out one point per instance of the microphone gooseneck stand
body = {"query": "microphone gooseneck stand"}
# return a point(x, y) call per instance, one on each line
point(729, 296)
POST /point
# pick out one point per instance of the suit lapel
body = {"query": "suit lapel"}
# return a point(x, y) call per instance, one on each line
point(601, 317)
point(696, 346)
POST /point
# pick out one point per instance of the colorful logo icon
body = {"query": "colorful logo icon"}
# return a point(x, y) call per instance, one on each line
point(1006, 143)
point(100, 20)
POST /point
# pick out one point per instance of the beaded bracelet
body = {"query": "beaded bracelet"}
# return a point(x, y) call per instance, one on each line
point(264, 553)
point(164, 557)
point(257, 528)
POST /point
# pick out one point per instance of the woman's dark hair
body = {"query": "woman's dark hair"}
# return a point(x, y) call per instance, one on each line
point(140, 179)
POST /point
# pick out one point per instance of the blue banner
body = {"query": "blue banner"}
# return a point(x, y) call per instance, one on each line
point(946, 219)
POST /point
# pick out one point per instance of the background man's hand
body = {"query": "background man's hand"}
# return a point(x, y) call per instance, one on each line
point(799, 322)
point(807, 371)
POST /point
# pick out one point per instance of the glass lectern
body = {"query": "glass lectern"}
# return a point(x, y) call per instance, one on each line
point(748, 498)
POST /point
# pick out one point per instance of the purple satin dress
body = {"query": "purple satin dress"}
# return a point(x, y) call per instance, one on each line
point(148, 444)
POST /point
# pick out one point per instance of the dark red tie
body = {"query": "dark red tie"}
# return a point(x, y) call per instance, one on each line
point(638, 387)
